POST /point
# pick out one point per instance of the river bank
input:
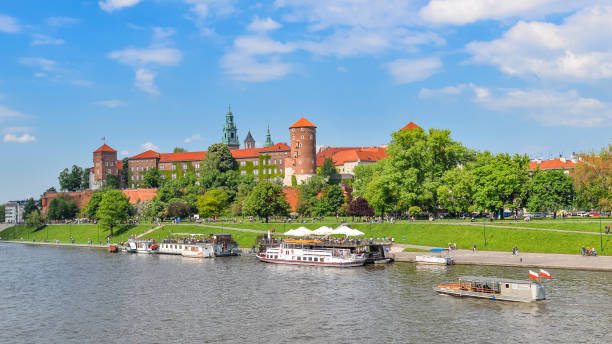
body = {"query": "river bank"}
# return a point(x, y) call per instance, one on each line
point(526, 260)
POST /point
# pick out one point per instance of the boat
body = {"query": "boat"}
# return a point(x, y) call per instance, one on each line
point(224, 245)
point(113, 248)
point(494, 289)
point(142, 246)
point(437, 260)
point(187, 248)
point(314, 253)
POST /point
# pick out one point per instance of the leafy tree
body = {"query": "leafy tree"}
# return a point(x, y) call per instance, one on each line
point(70, 180)
point(35, 220)
point(179, 150)
point(414, 211)
point(328, 169)
point(125, 173)
point(593, 180)
point(550, 191)
point(114, 208)
point(333, 198)
point(85, 179)
point(91, 210)
point(179, 209)
point(219, 158)
point(241, 195)
point(2, 212)
point(307, 196)
point(29, 207)
point(154, 209)
point(266, 200)
point(456, 192)
point(500, 181)
point(61, 208)
point(360, 207)
point(112, 182)
point(213, 202)
point(152, 179)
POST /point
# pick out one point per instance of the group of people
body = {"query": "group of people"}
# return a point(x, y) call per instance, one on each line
point(589, 251)
point(452, 246)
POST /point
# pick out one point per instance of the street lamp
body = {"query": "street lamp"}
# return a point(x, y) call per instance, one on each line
point(600, 236)
point(484, 232)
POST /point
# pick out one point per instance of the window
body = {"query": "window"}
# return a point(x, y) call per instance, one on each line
point(299, 258)
point(197, 174)
point(173, 167)
point(274, 161)
point(173, 175)
point(256, 162)
point(311, 137)
point(197, 182)
point(255, 171)
point(132, 178)
point(243, 172)
point(132, 169)
point(132, 184)
point(302, 129)
point(321, 259)
point(316, 259)
point(196, 165)
point(106, 163)
point(281, 160)
point(108, 171)
point(243, 163)
point(184, 166)
point(302, 137)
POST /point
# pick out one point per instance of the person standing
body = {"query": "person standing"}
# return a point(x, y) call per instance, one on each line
point(474, 248)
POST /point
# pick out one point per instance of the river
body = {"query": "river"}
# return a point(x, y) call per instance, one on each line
point(79, 295)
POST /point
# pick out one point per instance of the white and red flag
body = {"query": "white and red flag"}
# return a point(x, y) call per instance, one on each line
point(533, 275)
point(544, 273)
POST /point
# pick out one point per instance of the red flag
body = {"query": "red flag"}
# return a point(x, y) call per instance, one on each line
point(533, 275)
point(103, 139)
point(544, 273)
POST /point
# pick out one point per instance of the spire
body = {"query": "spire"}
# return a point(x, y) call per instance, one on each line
point(249, 142)
point(268, 142)
point(230, 132)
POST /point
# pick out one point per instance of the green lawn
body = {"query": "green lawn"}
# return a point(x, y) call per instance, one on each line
point(571, 226)
point(80, 232)
point(244, 239)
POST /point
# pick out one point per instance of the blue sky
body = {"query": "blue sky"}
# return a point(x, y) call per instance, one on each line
point(526, 76)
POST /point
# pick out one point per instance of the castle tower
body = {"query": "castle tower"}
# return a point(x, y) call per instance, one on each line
point(230, 132)
point(249, 142)
point(105, 163)
point(268, 142)
point(302, 160)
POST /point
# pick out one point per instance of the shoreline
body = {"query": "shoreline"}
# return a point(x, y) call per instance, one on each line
point(461, 257)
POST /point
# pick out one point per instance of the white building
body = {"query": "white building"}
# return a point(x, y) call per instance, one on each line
point(13, 212)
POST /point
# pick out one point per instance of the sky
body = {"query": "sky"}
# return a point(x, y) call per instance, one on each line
point(523, 76)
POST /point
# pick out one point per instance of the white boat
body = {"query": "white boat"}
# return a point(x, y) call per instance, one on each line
point(313, 253)
point(142, 246)
point(434, 260)
point(494, 289)
point(187, 249)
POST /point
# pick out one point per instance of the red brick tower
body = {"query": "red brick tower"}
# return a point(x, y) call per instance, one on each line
point(302, 161)
point(105, 163)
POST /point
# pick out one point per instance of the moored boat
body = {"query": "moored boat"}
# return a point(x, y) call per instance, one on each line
point(142, 246)
point(434, 260)
point(314, 253)
point(494, 289)
point(187, 248)
point(224, 245)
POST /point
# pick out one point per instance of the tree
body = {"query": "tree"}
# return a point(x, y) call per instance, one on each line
point(414, 211)
point(307, 196)
point(2, 213)
point(152, 179)
point(179, 150)
point(500, 181)
point(91, 210)
point(112, 182)
point(71, 180)
point(593, 180)
point(85, 179)
point(212, 203)
point(61, 208)
point(550, 191)
point(219, 158)
point(34, 220)
point(114, 208)
point(266, 200)
point(179, 209)
point(29, 207)
point(360, 207)
point(333, 198)
point(241, 195)
point(154, 209)
point(456, 192)
point(125, 173)
point(328, 169)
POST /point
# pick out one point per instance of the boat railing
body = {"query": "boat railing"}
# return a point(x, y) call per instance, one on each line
point(466, 287)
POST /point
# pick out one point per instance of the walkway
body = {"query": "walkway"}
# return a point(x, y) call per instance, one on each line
point(149, 231)
point(526, 260)
point(4, 226)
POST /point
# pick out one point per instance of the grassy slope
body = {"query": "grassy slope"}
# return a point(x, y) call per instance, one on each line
point(80, 233)
point(577, 226)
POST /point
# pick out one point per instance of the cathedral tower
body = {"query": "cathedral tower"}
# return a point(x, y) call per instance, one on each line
point(268, 142)
point(230, 132)
point(302, 161)
point(249, 142)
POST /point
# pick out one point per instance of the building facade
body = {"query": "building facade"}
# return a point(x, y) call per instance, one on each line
point(302, 164)
point(104, 163)
point(13, 212)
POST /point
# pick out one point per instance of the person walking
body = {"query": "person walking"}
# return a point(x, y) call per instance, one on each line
point(474, 248)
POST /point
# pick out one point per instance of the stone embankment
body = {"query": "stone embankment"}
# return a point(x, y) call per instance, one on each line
point(527, 260)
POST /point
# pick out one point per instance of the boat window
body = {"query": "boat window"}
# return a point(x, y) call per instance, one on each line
point(321, 259)
point(299, 258)
point(507, 285)
point(316, 259)
point(275, 257)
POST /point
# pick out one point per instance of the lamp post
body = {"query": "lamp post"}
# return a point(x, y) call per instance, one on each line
point(484, 232)
point(600, 236)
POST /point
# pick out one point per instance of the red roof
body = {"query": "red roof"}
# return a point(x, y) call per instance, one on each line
point(146, 155)
point(342, 155)
point(303, 123)
point(105, 148)
point(254, 152)
point(410, 125)
point(119, 164)
point(553, 164)
point(182, 156)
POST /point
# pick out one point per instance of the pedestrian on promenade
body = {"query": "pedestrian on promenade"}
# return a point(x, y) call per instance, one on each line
point(583, 251)
point(474, 248)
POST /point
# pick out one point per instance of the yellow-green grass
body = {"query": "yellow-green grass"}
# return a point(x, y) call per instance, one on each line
point(569, 226)
point(244, 239)
point(80, 232)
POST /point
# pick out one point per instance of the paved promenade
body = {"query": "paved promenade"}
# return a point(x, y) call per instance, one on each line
point(527, 260)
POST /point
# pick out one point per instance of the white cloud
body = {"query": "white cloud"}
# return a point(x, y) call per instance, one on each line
point(17, 130)
point(549, 107)
point(256, 59)
point(19, 139)
point(42, 63)
point(40, 39)
point(40, 75)
point(144, 80)
point(124, 153)
point(405, 71)
point(202, 10)
point(8, 24)
point(468, 11)
point(263, 24)
point(112, 5)
point(195, 137)
point(111, 103)
point(577, 49)
point(149, 146)
point(341, 69)
point(6, 113)
point(61, 21)
point(83, 83)
point(144, 56)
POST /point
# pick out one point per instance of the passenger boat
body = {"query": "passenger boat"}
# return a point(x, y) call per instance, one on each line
point(224, 245)
point(187, 248)
point(494, 289)
point(434, 260)
point(142, 246)
point(314, 253)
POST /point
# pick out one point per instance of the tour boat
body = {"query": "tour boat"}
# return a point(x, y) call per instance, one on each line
point(434, 260)
point(142, 246)
point(224, 245)
point(187, 249)
point(494, 289)
point(314, 253)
